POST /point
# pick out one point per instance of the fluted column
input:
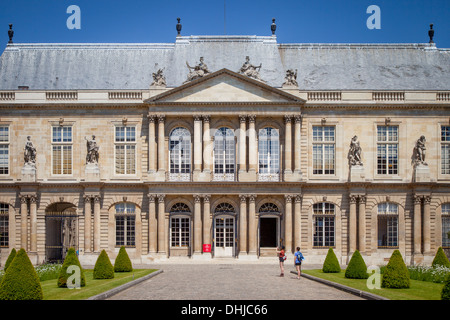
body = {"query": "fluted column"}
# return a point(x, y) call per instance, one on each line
point(242, 143)
point(97, 227)
point(288, 144)
point(161, 224)
point(417, 224)
point(352, 229)
point(33, 223)
point(23, 222)
point(288, 223)
point(161, 144)
point(297, 220)
point(207, 146)
point(252, 150)
point(206, 219)
point(252, 226)
point(197, 143)
point(152, 225)
point(151, 143)
point(243, 225)
point(297, 142)
point(426, 225)
point(87, 223)
point(197, 225)
point(362, 224)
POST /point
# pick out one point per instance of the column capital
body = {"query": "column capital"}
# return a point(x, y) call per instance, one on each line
point(33, 198)
point(353, 198)
point(427, 199)
point(417, 199)
point(288, 197)
point(298, 198)
point(197, 117)
point(243, 197)
point(206, 118)
point(298, 118)
point(251, 118)
point(151, 197)
point(161, 118)
point(161, 197)
point(97, 198)
point(23, 198)
point(252, 197)
point(151, 118)
point(206, 198)
point(362, 198)
point(287, 118)
point(197, 198)
point(242, 118)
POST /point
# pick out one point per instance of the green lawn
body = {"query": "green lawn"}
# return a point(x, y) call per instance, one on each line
point(419, 290)
point(93, 286)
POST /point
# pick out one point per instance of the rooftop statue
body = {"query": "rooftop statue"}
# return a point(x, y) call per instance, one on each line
point(198, 71)
point(159, 80)
point(291, 78)
point(250, 70)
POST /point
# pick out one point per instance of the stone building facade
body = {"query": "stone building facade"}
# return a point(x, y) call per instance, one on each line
point(189, 151)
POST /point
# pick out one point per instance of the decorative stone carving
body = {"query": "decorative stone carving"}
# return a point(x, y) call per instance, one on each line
point(159, 80)
point(29, 153)
point(250, 70)
point(10, 34)
point(354, 154)
point(198, 71)
point(419, 152)
point(290, 80)
point(92, 151)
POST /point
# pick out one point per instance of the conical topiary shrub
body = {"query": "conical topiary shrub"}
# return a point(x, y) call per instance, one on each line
point(396, 274)
point(11, 257)
point(331, 263)
point(356, 268)
point(123, 262)
point(21, 281)
point(445, 293)
point(440, 259)
point(103, 268)
point(71, 259)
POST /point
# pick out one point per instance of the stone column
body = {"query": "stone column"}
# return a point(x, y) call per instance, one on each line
point(197, 144)
point(206, 220)
point(297, 142)
point(97, 227)
point(24, 222)
point(288, 144)
point(243, 225)
point(252, 226)
point(161, 224)
point(33, 224)
point(242, 144)
point(161, 144)
point(288, 223)
point(297, 220)
point(417, 224)
point(207, 146)
point(352, 224)
point(362, 223)
point(151, 144)
point(197, 225)
point(426, 225)
point(252, 150)
point(87, 223)
point(152, 225)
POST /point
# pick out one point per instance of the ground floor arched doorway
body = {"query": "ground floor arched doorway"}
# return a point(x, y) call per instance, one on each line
point(61, 231)
point(224, 227)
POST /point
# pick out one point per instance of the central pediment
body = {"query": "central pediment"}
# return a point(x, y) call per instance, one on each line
point(225, 86)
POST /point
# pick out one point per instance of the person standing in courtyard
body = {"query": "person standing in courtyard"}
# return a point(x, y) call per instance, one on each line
point(281, 258)
point(298, 262)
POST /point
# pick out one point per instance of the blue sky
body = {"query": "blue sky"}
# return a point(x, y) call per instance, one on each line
point(298, 21)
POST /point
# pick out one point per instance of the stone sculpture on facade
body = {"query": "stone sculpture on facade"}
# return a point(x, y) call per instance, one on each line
point(198, 71)
point(419, 152)
point(250, 70)
point(92, 151)
point(290, 79)
point(354, 154)
point(29, 153)
point(159, 80)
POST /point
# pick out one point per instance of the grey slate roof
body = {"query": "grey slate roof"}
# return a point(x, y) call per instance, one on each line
point(320, 66)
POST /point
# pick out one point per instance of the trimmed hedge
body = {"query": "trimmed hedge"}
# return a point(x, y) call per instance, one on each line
point(331, 263)
point(103, 268)
point(356, 268)
point(11, 257)
point(123, 262)
point(21, 281)
point(440, 259)
point(71, 259)
point(445, 293)
point(396, 274)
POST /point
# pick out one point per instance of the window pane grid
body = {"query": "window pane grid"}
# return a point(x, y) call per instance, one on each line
point(445, 212)
point(4, 225)
point(62, 150)
point(324, 224)
point(323, 150)
point(125, 150)
point(445, 149)
point(125, 224)
point(387, 225)
point(224, 151)
point(269, 151)
point(180, 151)
point(180, 232)
point(387, 150)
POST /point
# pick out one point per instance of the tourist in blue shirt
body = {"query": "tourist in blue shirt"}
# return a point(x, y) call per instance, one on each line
point(298, 262)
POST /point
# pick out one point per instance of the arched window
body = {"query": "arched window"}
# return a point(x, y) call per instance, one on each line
point(4, 225)
point(180, 154)
point(445, 212)
point(224, 208)
point(180, 225)
point(125, 224)
point(387, 225)
point(224, 154)
point(269, 154)
point(324, 224)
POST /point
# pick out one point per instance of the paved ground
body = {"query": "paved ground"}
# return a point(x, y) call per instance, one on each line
point(229, 282)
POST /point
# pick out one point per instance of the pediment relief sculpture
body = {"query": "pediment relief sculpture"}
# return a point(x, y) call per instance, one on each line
point(250, 70)
point(198, 71)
